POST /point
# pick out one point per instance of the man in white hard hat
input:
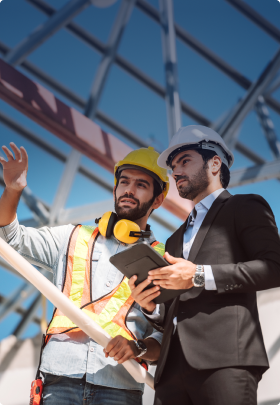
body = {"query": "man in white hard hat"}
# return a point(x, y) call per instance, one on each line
point(212, 351)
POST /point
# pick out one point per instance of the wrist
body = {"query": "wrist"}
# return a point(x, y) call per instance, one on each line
point(14, 191)
point(198, 279)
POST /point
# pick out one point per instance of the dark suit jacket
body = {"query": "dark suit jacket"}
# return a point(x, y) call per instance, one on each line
point(217, 329)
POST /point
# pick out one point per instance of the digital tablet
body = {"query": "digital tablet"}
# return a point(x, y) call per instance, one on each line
point(138, 260)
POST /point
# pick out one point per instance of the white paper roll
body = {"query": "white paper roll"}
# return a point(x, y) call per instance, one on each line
point(60, 301)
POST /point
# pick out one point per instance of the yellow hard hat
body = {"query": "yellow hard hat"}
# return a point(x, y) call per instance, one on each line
point(146, 159)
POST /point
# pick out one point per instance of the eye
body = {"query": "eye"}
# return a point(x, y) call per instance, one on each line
point(142, 185)
point(185, 161)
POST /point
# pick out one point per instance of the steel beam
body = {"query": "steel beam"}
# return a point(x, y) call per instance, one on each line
point(109, 55)
point(120, 61)
point(71, 126)
point(29, 314)
point(268, 127)
point(248, 101)
point(255, 174)
point(20, 311)
point(65, 185)
point(15, 299)
point(274, 85)
point(184, 36)
point(46, 30)
point(257, 18)
point(168, 40)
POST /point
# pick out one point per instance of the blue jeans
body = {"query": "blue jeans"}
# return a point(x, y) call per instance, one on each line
point(76, 391)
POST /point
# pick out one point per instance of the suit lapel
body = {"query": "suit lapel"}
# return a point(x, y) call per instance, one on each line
point(201, 234)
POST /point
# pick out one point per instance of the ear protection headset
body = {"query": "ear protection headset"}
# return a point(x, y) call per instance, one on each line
point(124, 230)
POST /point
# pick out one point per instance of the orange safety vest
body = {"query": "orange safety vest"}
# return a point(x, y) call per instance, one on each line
point(109, 311)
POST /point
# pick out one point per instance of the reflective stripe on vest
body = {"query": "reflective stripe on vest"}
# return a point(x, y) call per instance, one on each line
point(109, 311)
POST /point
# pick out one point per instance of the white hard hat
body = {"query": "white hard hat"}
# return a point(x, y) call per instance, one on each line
point(195, 137)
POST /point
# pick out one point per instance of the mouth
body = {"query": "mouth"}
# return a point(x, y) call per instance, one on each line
point(180, 181)
point(128, 202)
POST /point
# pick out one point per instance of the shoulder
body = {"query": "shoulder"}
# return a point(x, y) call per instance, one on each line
point(253, 200)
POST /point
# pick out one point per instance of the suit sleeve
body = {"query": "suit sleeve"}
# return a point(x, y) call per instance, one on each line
point(258, 236)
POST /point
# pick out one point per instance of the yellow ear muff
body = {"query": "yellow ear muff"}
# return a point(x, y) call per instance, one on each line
point(106, 224)
point(123, 228)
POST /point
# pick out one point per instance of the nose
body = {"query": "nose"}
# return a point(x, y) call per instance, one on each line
point(176, 172)
point(130, 190)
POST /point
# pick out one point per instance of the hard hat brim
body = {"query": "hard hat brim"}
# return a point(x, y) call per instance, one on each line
point(163, 157)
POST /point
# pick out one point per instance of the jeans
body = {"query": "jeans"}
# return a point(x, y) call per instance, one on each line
point(75, 391)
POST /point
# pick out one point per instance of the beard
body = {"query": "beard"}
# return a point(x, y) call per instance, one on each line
point(132, 214)
point(198, 183)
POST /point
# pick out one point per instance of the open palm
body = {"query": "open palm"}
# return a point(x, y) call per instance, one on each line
point(15, 169)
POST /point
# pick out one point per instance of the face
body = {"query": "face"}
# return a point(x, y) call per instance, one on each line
point(190, 173)
point(134, 195)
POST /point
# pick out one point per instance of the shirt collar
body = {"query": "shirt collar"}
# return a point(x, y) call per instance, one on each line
point(208, 201)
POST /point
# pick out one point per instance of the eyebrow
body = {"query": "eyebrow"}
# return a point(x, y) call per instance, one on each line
point(142, 180)
point(181, 158)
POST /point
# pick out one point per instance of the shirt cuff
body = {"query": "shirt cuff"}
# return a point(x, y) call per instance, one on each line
point(209, 278)
point(7, 232)
point(155, 315)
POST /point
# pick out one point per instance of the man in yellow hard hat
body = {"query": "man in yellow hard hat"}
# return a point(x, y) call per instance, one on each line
point(75, 368)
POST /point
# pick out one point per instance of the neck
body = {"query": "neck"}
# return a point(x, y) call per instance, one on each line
point(209, 190)
point(142, 222)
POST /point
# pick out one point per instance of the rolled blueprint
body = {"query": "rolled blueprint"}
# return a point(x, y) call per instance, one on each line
point(59, 300)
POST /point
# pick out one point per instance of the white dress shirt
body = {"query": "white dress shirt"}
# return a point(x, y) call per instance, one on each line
point(202, 207)
point(191, 231)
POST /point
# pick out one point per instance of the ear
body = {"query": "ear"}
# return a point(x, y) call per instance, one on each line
point(158, 201)
point(114, 190)
point(216, 163)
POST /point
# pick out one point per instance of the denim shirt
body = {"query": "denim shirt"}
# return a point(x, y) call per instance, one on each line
point(75, 354)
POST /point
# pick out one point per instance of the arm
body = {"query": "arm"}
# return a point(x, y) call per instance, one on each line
point(258, 236)
point(14, 174)
point(40, 247)
point(122, 349)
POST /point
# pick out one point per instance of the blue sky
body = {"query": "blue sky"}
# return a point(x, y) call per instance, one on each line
point(216, 24)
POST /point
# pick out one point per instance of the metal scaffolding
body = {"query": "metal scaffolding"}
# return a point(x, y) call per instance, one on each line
point(258, 98)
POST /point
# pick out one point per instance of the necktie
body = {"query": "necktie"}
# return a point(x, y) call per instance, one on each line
point(192, 218)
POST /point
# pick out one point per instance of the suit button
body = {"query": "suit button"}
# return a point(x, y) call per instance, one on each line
point(108, 284)
point(236, 286)
point(227, 287)
point(240, 286)
point(231, 287)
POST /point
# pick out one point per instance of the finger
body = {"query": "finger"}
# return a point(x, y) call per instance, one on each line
point(16, 150)
point(106, 354)
point(126, 357)
point(148, 292)
point(124, 354)
point(160, 271)
point(141, 287)
point(131, 282)
point(2, 160)
point(160, 280)
point(24, 155)
point(8, 153)
point(171, 259)
point(112, 344)
point(150, 298)
point(115, 350)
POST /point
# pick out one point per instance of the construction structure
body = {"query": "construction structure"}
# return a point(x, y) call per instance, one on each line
point(80, 123)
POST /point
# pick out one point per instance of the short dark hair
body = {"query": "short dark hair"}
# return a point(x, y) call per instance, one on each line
point(224, 172)
point(157, 188)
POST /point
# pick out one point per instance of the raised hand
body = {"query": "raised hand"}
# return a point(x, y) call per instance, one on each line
point(15, 168)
